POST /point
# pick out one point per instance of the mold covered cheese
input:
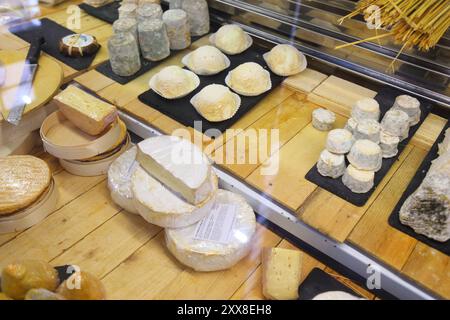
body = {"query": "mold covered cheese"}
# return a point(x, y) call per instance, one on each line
point(231, 39)
point(331, 165)
point(358, 181)
point(366, 108)
point(206, 60)
point(323, 119)
point(409, 105)
point(365, 155)
point(339, 141)
point(249, 79)
point(285, 60)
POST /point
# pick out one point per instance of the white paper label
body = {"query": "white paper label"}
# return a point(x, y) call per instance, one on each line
point(217, 226)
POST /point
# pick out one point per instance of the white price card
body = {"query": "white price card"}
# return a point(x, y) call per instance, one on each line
point(217, 225)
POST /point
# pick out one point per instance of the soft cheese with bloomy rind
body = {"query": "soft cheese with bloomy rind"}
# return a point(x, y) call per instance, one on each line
point(388, 144)
point(231, 39)
point(161, 206)
point(119, 179)
point(368, 129)
point(366, 108)
point(396, 123)
point(85, 111)
point(365, 155)
point(281, 273)
point(173, 82)
point(23, 179)
point(206, 60)
point(409, 105)
point(285, 60)
point(330, 164)
point(249, 79)
point(339, 141)
point(358, 181)
point(323, 119)
point(204, 255)
point(178, 164)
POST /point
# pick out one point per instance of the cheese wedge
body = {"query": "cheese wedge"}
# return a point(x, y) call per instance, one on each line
point(179, 165)
point(23, 179)
point(160, 206)
point(281, 273)
point(88, 113)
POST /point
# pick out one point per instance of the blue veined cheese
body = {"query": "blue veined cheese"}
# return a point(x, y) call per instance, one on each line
point(323, 119)
point(409, 105)
point(178, 30)
point(148, 11)
point(124, 54)
point(228, 238)
point(368, 129)
point(358, 181)
point(198, 13)
point(365, 155)
point(388, 144)
point(330, 164)
point(396, 123)
point(366, 108)
point(125, 25)
point(153, 39)
point(339, 141)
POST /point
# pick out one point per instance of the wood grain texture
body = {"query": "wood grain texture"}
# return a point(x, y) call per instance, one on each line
point(305, 81)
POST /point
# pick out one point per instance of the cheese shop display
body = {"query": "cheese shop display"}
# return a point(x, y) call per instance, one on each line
point(281, 273)
point(339, 141)
point(396, 123)
point(198, 14)
point(358, 180)
point(366, 108)
point(126, 25)
point(285, 60)
point(79, 45)
point(365, 155)
point(216, 102)
point(388, 144)
point(127, 10)
point(409, 105)
point(172, 82)
point(368, 129)
point(331, 165)
point(323, 119)
point(124, 54)
point(351, 125)
point(206, 60)
point(153, 40)
point(249, 79)
point(178, 30)
point(231, 39)
point(148, 11)
point(427, 210)
point(218, 241)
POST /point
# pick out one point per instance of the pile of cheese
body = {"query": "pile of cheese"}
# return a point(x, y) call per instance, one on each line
point(366, 142)
point(171, 183)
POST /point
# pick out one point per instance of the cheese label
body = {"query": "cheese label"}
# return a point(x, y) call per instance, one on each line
point(218, 225)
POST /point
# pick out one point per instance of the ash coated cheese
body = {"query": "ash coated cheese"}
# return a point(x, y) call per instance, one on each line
point(23, 179)
point(351, 125)
point(178, 30)
point(127, 10)
point(365, 155)
point(119, 179)
point(336, 295)
point(358, 181)
point(198, 14)
point(178, 164)
point(162, 207)
point(368, 129)
point(409, 105)
point(331, 165)
point(388, 144)
point(281, 273)
point(153, 40)
point(249, 79)
point(85, 111)
point(148, 11)
point(339, 141)
point(366, 108)
point(219, 240)
point(125, 25)
point(396, 123)
point(323, 119)
point(124, 54)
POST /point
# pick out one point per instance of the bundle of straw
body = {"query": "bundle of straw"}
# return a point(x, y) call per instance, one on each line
point(418, 23)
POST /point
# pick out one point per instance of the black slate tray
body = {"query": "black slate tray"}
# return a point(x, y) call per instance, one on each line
point(182, 111)
point(318, 281)
point(394, 218)
point(53, 33)
point(385, 98)
point(108, 12)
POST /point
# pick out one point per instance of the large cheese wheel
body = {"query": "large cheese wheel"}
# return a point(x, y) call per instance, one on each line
point(206, 255)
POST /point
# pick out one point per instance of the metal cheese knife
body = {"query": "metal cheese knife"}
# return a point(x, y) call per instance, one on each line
point(22, 97)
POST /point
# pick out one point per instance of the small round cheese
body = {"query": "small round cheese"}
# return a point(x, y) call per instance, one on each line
point(78, 45)
point(160, 206)
point(388, 144)
point(127, 10)
point(409, 105)
point(358, 181)
point(396, 123)
point(249, 79)
point(206, 255)
point(231, 39)
point(216, 102)
point(339, 141)
point(323, 119)
point(173, 82)
point(206, 60)
point(365, 155)
point(368, 129)
point(149, 11)
point(351, 125)
point(119, 180)
point(285, 60)
point(366, 108)
point(336, 295)
point(331, 165)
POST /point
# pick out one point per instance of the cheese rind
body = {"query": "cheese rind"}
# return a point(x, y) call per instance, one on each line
point(409, 105)
point(388, 145)
point(204, 255)
point(331, 165)
point(368, 129)
point(281, 273)
point(396, 123)
point(249, 79)
point(323, 119)
point(365, 155)
point(358, 181)
point(179, 165)
point(339, 141)
point(366, 108)
point(88, 113)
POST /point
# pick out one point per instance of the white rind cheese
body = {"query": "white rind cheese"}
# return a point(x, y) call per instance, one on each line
point(366, 155)
point(368, 129)
point(351, 125)
point(281, 273)
point(388, 145)
point(339, 141)
point(396, 123)
point(323, 119)
point(331, 165)
point(336, 295)
point(119, 180)
point(358, 181)
point(409, 105)
point(179, 165)
point(204, 255)
point(160, 206)
point(366, 108)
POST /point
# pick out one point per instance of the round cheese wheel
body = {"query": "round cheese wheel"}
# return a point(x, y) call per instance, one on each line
point(78, 45)
point(365, 155)
point(323, 119)
point(249, 79)
point(23, 179)
point(206, 60)
point(203, 252)
point(339, 141)
point(366, 108)
point(173, 82)
point(285, 60)
point(409, 105)
point(330, 164)
point(231, 39)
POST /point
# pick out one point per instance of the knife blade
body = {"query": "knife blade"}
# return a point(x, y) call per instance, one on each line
point(22, 97)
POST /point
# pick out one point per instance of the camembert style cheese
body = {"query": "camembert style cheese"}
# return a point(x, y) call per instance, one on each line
point(88, 113)
point(219, 240)
point(179, 165)
point(23, 179)
point(281, 273)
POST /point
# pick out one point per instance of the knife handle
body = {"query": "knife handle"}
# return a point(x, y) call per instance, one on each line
point(35, 50)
